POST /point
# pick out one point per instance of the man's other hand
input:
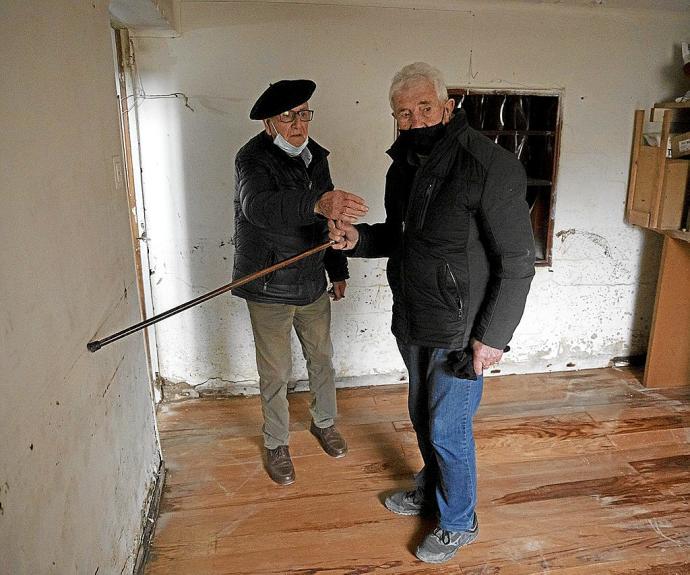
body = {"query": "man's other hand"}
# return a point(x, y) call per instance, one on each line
point(484, 356)
point(337, 291)
point(344, 234)
point(341, 205)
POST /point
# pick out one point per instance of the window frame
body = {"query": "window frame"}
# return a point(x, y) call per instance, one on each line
point(544, 227)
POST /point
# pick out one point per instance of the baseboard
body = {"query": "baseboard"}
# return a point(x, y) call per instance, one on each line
point(150, 523)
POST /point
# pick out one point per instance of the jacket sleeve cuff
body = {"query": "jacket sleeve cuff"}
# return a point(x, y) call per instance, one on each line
point(360, 250)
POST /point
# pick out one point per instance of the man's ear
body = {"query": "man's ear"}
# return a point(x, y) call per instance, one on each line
point(267, 128)
point(449, 106)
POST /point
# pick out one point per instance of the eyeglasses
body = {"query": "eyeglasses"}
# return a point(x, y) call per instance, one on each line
point(290, 116)
point(424, 111)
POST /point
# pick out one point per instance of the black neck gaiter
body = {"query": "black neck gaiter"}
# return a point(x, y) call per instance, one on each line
point(422, 140)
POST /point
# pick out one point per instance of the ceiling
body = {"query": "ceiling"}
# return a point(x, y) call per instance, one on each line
point(160, 14)
point(674, 5)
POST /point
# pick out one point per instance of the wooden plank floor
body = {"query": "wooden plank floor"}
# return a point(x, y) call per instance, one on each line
point(580, 473)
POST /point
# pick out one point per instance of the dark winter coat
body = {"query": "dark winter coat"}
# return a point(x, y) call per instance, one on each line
point(459, 241)
point(274, 220)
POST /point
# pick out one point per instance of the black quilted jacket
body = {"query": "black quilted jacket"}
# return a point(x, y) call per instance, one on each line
point(459, 241)
point(274, 220)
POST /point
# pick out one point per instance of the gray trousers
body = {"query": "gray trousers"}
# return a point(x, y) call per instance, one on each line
point(272, 326)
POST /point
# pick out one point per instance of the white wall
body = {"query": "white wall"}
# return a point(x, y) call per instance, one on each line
point(79, 452)
point(594, 303)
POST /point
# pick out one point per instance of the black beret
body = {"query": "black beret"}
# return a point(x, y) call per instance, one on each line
point(280, 97)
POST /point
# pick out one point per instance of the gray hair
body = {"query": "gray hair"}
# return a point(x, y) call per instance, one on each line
point(414, 73)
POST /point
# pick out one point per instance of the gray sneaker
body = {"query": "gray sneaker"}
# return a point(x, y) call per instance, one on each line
point(441, 545)
point(409, 503)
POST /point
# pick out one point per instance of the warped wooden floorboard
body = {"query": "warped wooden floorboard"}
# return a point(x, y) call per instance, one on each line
point(580, 473)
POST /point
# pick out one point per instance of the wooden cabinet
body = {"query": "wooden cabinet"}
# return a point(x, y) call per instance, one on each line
point(657, 190)
point(658, 198)
point(668, 353)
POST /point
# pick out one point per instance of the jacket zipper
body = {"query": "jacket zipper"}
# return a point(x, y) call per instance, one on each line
point(402, 279)
point(270, 262)
point(458, 299)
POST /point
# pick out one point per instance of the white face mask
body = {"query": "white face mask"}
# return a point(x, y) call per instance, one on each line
point(286, 146)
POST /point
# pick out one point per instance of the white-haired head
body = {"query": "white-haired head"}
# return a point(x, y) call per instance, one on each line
point(416, 72)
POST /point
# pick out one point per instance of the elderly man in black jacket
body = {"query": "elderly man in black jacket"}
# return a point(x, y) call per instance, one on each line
point(461, 260)
point(283, 195)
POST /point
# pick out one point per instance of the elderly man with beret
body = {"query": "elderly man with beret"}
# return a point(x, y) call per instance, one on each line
point(284, 197)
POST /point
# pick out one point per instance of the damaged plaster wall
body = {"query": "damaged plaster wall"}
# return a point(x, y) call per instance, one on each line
point(79, 452)
point(593, 304)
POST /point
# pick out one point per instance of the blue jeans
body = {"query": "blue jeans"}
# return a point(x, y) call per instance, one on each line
point(441, 408)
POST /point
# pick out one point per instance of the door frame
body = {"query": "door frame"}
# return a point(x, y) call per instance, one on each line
point(125, 75)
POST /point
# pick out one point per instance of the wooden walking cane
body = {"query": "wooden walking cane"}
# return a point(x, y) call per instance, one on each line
point(97, 344)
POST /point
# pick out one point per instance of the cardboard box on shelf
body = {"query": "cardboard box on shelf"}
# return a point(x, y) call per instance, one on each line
point(680, 145)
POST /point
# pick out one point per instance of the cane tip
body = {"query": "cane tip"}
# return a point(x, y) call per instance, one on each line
point(93, 346)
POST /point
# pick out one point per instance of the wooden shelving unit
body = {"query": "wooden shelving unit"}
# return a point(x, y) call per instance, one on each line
point(658, 197)
point(657, 189)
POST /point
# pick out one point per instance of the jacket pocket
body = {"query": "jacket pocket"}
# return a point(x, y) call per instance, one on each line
point(423, 204)
point(450, 289)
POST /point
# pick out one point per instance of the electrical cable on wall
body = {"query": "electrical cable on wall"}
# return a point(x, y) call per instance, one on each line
point(145, 96)
point(141, 92)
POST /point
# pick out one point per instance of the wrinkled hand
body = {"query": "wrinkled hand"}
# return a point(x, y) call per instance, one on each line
point(341, 205)
point(337, 291)
point(344, 235)
point(484, 356)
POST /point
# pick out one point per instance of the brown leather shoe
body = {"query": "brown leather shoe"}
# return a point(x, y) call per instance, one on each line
point(279, 465)
point(329, 438)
